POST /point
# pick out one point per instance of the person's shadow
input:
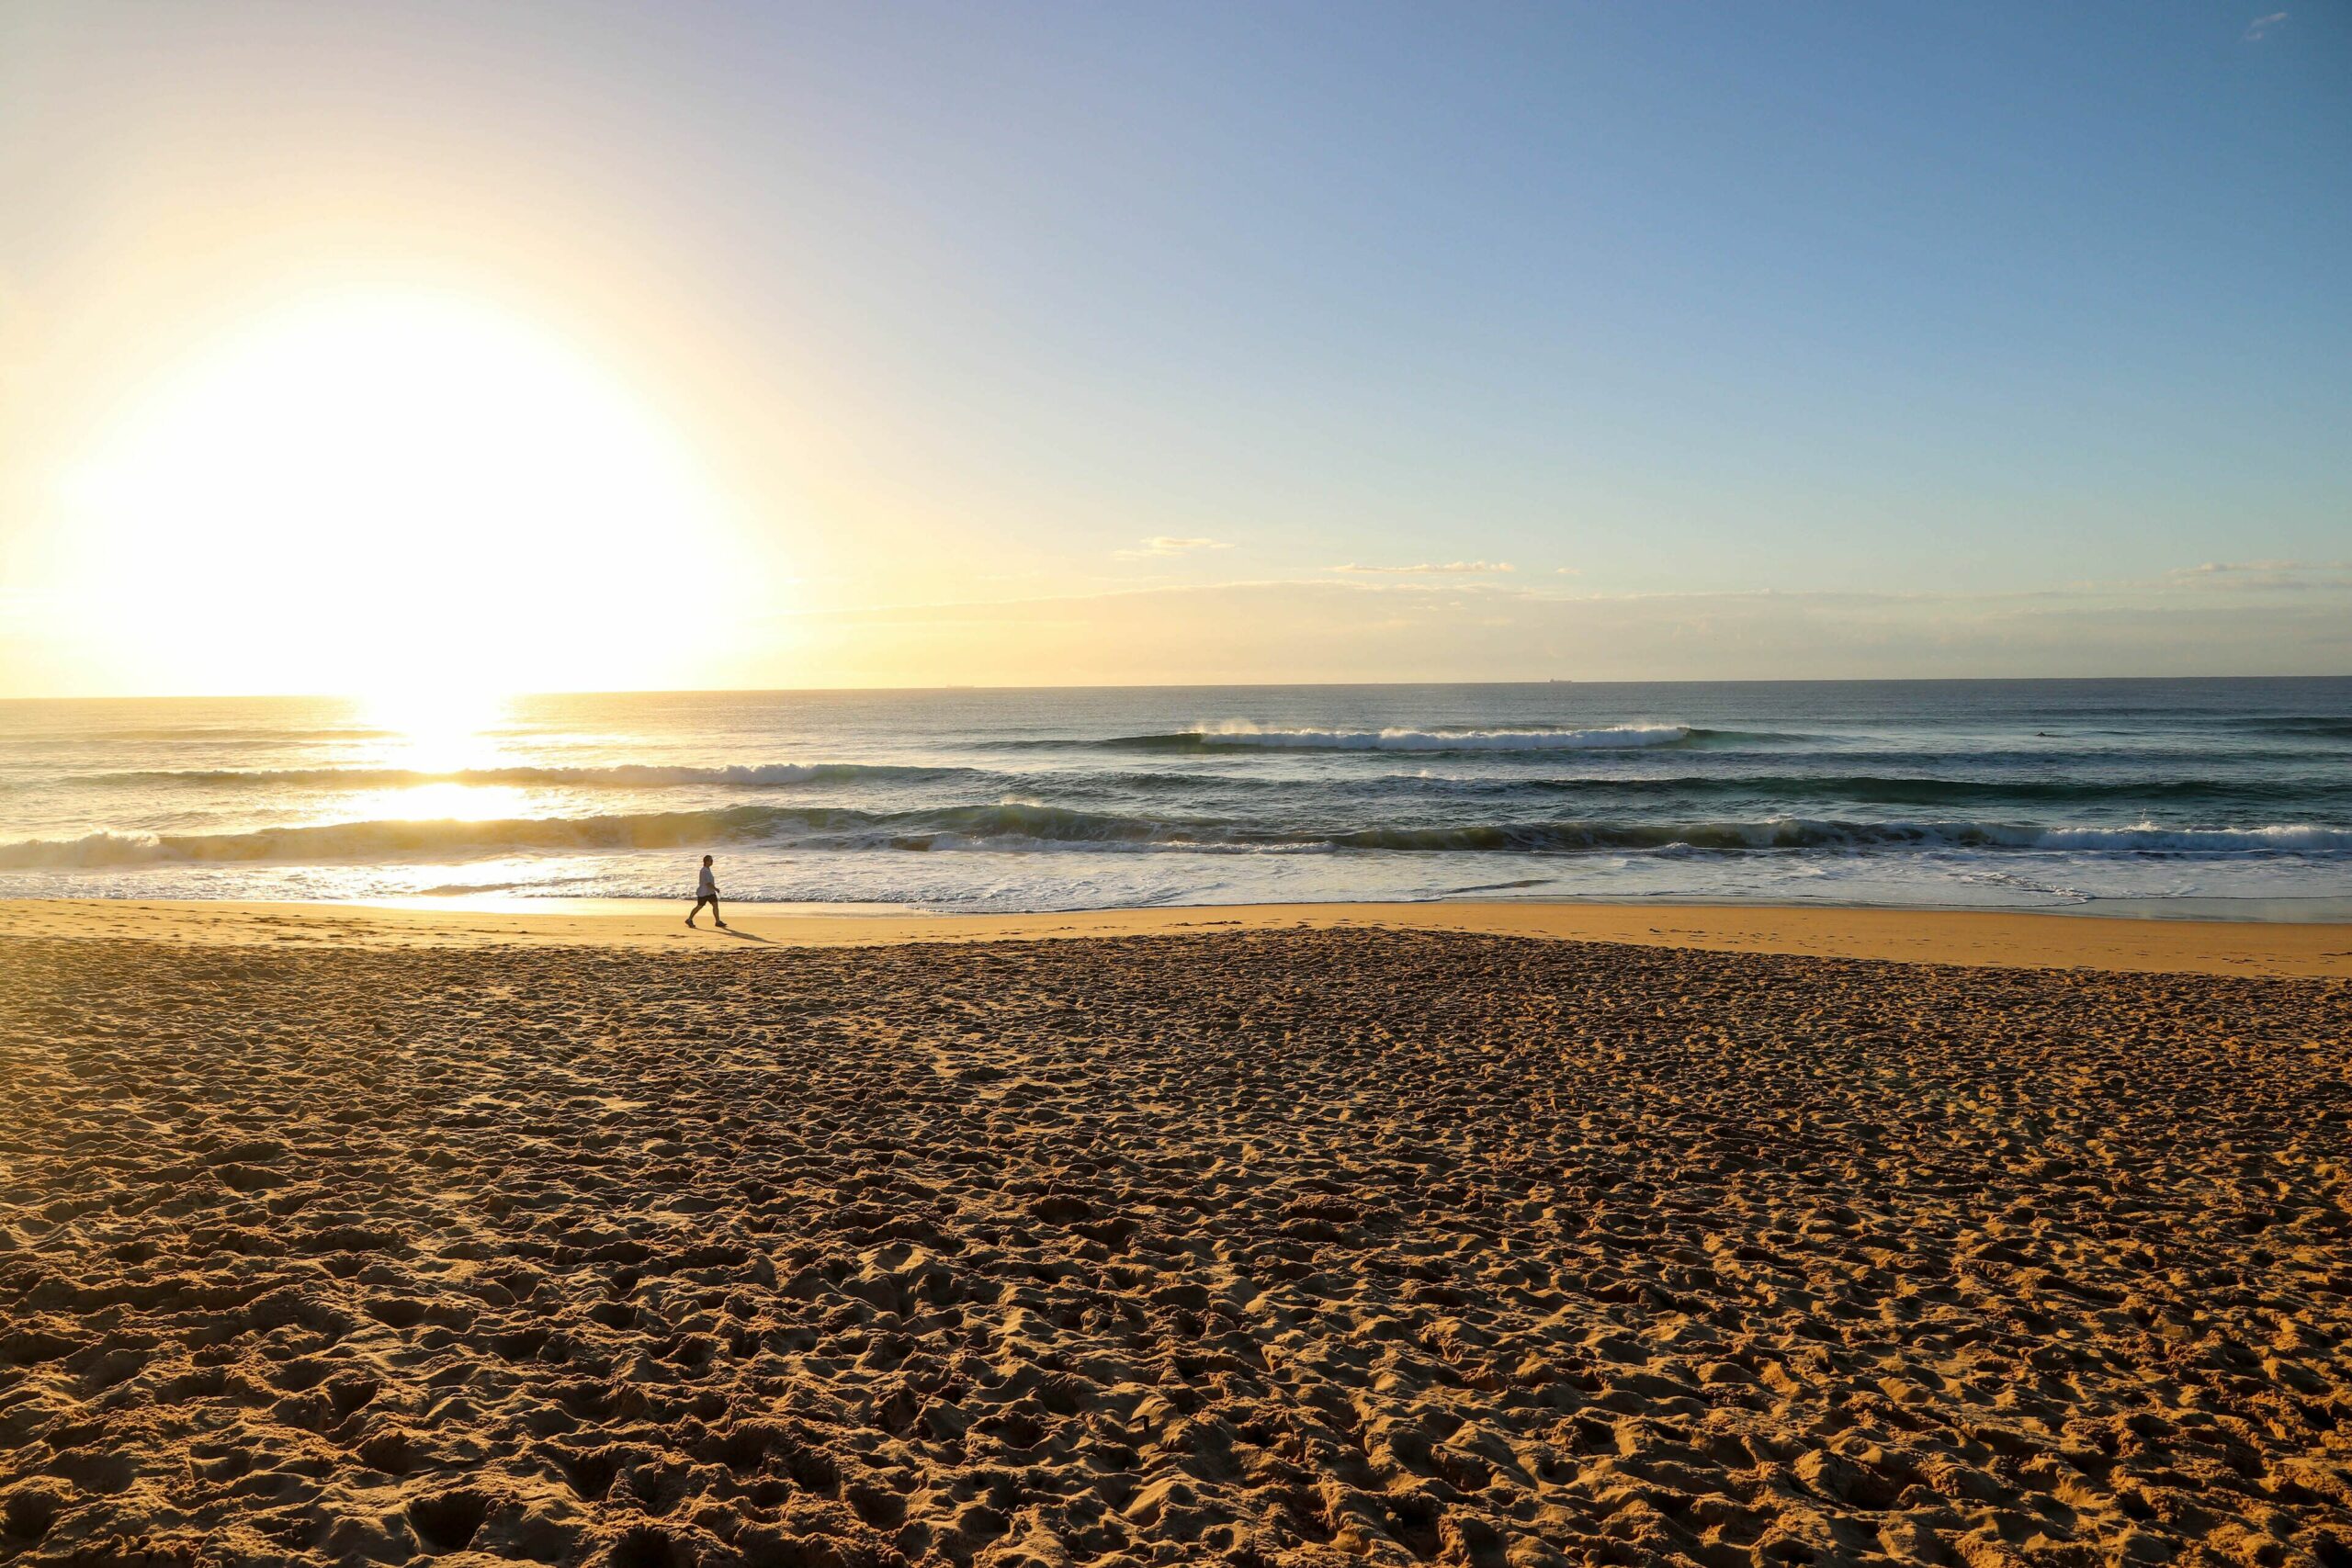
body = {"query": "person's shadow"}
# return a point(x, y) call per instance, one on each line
point(747, 936)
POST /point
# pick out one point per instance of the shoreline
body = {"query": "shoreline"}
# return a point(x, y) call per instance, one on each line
point(2003, 939)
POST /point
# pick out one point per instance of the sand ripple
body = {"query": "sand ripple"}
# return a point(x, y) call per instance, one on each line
point(1295, 1248)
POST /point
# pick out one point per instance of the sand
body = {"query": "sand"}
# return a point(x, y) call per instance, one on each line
point(2002, 939)
point(1252, 1245)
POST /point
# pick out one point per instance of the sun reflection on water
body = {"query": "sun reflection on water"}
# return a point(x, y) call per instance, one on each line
point(437, 729)
point(448, 801)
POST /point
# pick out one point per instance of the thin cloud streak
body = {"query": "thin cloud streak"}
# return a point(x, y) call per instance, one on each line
point(1164, 544)
point(1319, 629)
point(2221, 568)
point(2169, 585)
point(1430, 569)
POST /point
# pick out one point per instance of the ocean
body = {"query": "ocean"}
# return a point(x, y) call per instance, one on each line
point(2149, 796)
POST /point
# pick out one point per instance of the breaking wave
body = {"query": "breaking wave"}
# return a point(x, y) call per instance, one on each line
point(1241, 736)
point(1021, 825)
point(1884, 789)
point(815, 827)
point(1805, 833)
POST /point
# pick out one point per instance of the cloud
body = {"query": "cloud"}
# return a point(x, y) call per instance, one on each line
point(1429, 569)
point(1418, 629)
point(2221, 568)
point(1166, 545)
point(2258, 576)
point(2261, 26)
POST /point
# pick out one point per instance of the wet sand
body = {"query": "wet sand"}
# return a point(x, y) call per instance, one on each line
point(2005, 939)
point(1255, 1246)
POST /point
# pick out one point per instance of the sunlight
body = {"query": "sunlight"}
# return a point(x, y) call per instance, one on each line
point(407, 494)
point(436, 728)
point(447, 802)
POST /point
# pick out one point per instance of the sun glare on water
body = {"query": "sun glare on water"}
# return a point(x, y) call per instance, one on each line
point(430, 728)
point(414, 496)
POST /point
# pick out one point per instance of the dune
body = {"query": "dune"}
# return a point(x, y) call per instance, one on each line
point(415, 1236)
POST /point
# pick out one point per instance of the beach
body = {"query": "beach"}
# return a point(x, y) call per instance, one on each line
point(1465, 1233)
point(927, 785)
point(2003, 939)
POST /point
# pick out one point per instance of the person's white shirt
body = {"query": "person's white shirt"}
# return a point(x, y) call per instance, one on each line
point(708, 886)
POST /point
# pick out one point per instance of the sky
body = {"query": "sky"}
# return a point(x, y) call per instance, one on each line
point(604, 347)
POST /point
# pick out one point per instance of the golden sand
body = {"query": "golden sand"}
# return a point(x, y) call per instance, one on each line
point(1255, 1246)
point(2003, 939)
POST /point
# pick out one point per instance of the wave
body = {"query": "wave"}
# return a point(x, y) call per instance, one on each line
point(2326, 726)
point(1783, 789)
point(416, 840)
point(1021, 825)
point(623, 775)
point(1241, 736)
point(443, 838)
point(1886, 789)
point(1805, 833)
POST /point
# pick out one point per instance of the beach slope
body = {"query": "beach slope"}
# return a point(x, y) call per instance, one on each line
point(1997, 938)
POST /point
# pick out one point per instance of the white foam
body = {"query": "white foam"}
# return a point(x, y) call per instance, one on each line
point(1622, 737)
point(2278, 838)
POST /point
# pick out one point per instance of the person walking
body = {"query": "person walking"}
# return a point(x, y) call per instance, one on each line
point(707, 891)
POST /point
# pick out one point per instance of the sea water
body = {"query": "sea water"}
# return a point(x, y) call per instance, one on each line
point(2142, 794)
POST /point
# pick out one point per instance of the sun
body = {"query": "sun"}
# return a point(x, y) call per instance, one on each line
point(410, 495)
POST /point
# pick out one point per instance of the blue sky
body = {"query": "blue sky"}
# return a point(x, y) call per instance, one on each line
point(1685, 296)
point(1960, 311)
